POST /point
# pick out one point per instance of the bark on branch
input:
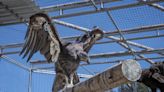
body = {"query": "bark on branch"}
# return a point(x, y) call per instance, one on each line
point(121, 73)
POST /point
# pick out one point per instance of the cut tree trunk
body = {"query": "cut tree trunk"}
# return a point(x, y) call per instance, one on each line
point(125, 72)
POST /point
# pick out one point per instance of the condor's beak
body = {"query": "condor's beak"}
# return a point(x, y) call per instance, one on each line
point(84, 57)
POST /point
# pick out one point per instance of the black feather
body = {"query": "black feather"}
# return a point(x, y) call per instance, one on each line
point(26, 42)
point(30, 44)
point(27, 33)
point(33, 46)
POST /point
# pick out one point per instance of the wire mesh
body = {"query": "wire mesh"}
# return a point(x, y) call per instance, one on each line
point(15, 79)
point(12, 78)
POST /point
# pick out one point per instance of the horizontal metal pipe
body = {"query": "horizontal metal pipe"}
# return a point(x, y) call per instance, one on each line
point(117, 61)
point(15, 62)
point(8, 53)
point(113, 54)
point(91, 63)
point(13, 21)
point(22, 11)
point(137, 30)
point(132, 39)
point(106, 9)
point(103, 42)
point(74, 5)
point(112, 37)
point(71, 25)
point(53, 73)
point(121, 53)
point(14, 45)
point(126, 31)
point(157, 6)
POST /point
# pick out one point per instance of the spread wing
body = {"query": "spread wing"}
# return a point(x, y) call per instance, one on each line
point(41, 36)
point(90, 38)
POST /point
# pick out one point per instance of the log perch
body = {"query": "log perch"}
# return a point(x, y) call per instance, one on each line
point(127, 71)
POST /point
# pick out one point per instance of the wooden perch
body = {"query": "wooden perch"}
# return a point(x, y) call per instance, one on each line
point(119, 74)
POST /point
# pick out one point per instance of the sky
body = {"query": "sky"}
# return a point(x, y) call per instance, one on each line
point(15, 79)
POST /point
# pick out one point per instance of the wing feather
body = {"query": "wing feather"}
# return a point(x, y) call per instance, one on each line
point(44, 41)
point(29, 44)
point(39, 35)
point(39, 42)
point(27, 32)
point(27, 41)
point(33, 46)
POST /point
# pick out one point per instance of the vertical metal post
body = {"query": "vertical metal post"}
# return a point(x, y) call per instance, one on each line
point(1, 53)
point(30, 80)
point(101, 4)
point(157, 32)
point(61, 12)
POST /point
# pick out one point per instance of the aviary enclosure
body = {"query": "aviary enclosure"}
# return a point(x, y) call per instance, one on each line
point(133, 41)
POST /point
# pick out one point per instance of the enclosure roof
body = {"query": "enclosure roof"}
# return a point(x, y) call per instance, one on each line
point(13, 11)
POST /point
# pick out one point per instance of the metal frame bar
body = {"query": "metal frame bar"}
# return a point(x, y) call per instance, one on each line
point(104, 55)
point(9, 53)
point(53, 73)
point(159, 27)
point(94, 4)
point(114, 38)
point(48, 9)
point(138, 30)
point(18, 7)
point(118, 61)
point(12, 12)
point(30, 81)
point(93, 63)
point(141, 56)
point(136, 4)
point(15, 62)
point(121, 34)
point(102, 42)
point(113, 54)
point(157, 6)
point(70, 25)
point(131, 39)
point(25, 14)
point(109, 35)
point(122, 53)
point(125, 44)
point(74, 5)
point(14, 45)
point(17, 14)
point(113, 33)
